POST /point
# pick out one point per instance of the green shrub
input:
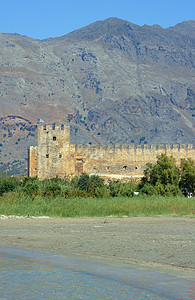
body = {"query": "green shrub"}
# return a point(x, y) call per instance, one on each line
point(121, 189)
point(7, 184)
point(74, 182)
point(172, 190)
point(187, 180)
point(51, 188)
point(83, 182)
point(79, 193)
point(102, 192)
point(31, 188)
point(148, 189)
point(29, 179)
point(95, 182)
point(66, 191)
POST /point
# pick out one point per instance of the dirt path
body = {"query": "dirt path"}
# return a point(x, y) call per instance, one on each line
point(166, 244)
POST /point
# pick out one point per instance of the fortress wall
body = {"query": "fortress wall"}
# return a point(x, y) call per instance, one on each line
point(180, 151)
point(190, 151)
point(126, 160)
point(32, 161)
point(55, 156)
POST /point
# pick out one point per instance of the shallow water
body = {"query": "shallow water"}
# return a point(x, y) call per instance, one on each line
point(34, 275)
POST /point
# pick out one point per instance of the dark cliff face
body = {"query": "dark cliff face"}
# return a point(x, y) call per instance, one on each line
point(115, 82)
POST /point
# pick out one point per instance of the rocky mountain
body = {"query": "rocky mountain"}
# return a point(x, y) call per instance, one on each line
point(113, 81)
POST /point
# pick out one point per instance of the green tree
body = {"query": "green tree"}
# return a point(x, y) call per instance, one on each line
point(161, 178)
point(187, 180)
point(165, 171)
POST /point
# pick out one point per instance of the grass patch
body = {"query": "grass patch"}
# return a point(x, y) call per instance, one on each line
point(14, 203)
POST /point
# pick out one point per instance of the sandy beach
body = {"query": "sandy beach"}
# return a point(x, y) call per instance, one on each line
point(164, 244)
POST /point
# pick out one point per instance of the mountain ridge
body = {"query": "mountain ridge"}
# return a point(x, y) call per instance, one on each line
point(113, 81)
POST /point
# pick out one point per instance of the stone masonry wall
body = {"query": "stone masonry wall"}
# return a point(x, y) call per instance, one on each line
point(55, 156)
point(125, 161)
point(32, 161)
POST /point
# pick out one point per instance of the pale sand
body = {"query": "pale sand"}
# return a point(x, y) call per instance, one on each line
point(165, 244)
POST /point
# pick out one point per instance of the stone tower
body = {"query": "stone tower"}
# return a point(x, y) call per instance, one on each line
point(53, 151)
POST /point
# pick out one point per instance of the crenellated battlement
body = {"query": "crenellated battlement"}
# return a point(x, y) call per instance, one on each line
point(129, 148)
point(55, 156)
point(52, 128)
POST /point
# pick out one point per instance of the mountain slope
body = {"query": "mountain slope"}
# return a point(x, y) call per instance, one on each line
point(115, 82)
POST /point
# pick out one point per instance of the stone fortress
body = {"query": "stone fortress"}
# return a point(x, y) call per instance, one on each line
point(55, 156)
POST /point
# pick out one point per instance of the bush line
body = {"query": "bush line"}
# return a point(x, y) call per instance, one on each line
point(161, 191)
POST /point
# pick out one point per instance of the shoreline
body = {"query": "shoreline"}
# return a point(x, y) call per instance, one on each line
point(163, 244)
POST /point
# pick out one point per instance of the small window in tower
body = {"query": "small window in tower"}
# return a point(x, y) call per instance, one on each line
point(136, 168)
point(60, 155)
point(125, 167)
point(54, 138)
point(47, 155)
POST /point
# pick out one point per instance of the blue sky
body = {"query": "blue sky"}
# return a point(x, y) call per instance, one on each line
point(45, 18)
